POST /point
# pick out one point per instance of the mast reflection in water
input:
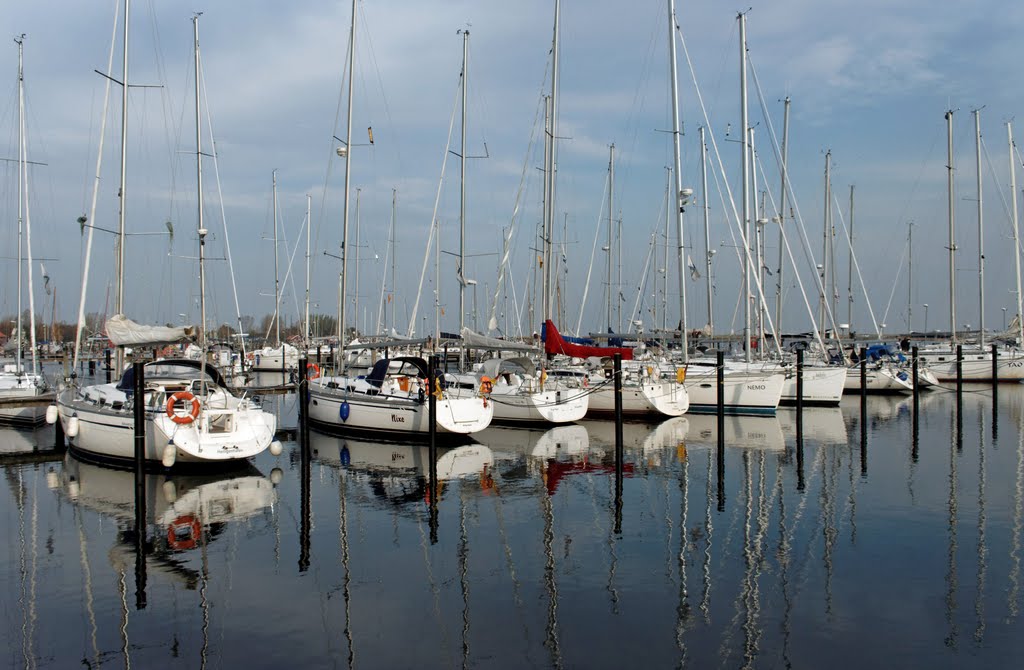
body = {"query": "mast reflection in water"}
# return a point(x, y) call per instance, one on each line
point(916, 562)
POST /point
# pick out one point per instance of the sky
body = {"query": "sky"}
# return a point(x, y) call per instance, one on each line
point(869, 82)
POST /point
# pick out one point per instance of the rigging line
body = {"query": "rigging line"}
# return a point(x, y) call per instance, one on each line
point(223, 214)
point(895, 280)
point(856, 265)
point(433, 217)
point(798, 218)
point(714, 143)
point(593, 251)
point(644, 275)
point(506, 250)
point(95, 194)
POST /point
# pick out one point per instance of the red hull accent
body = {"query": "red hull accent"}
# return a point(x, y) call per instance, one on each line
point(554, 343)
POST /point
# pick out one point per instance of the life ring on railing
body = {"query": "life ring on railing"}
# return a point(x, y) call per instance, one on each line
point(486, 385)
point(192, 413)
point(249, 356)
point(586, 381)
point(316, 371)
point(183, 533)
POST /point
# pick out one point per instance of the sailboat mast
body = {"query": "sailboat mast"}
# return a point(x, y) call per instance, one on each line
point(309, 226)
point(199, 197)
point(611, 223)
point(952, 237)
point(355, 254)
point(550, 167)
point(707, 228)
point(277, 285)
point(348, 180)
point(21, 191)
point(910, 277)
point(981, 232)
point(822, 311)
point(394, 224)
point(759, 317)
point(782, 214)
point(1016, 239)
point(849, 275)
point(678, 200)
point(746, 194)
point(462, 190)
point(668, 237)
point(119, 298)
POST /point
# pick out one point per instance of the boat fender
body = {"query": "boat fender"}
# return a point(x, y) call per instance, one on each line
point(72, 429)
point(191, 412)
point(276, 448)
point(276, 475)
point(52, 415)
point(170, 454)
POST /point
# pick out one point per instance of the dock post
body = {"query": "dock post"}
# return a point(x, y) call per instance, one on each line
point(139, 412)
point(433, 385)
point(106, 356)
point(302, 390)
point(617, 379)
point(318, 359)
point(863, 375)
point(799, 388)
point(959, 370)
point(305, 508)
point(916, 370)
point(720, 451)
point(995, 368)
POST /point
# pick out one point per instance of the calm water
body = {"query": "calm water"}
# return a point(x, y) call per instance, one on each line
point(886, 553)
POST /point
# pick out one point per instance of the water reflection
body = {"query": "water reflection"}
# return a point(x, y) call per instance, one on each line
point(529, 568)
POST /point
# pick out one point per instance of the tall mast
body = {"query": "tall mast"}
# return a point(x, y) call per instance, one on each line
point(822, 309)
point(21, 190)
point(952, 237)
point(355, 253)
point(119, 299)
point(309, 225)
point(277, 284)
point(1016, 239)
point(910, 277)
point(550, 167)
point(707, 228)
point(849, 277)
point(782, 214)
point(199, 199)
point(679, 200)
point(348, 182)
point(611, 223)
point(981, 233)
point(668, 236)
point(746, 194)
point(394, 224)
point(759, 320)
point(462, 190)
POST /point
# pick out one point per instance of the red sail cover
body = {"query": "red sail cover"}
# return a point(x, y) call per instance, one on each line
point(554, 343)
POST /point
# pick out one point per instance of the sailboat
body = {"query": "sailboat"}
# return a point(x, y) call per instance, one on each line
point(391, 401)
point(191, 415)
point(16, 383)
point(976, 364)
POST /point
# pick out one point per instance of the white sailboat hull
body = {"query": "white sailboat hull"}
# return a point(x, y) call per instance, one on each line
point(822, 386)
point(976, 364)
point(555, 406)
point(394, 416)
point(644, 399)
point(745, 392)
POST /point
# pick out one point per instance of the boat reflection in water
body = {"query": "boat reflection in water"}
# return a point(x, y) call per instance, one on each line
point(188, 509)
point(399, 472)
point(746, 432)
point(820, 424)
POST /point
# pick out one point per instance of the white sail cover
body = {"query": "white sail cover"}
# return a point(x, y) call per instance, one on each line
point(124, 332)
point(478, 341)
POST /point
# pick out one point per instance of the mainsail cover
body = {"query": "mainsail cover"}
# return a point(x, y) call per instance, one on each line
point(475, 340)
point(554, 343)
point(124, 332)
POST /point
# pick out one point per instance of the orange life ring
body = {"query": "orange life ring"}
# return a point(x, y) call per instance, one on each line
point(316, 371)
point(486, 385)
point(183, 396)
point(586, 381)
point(183, 533)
